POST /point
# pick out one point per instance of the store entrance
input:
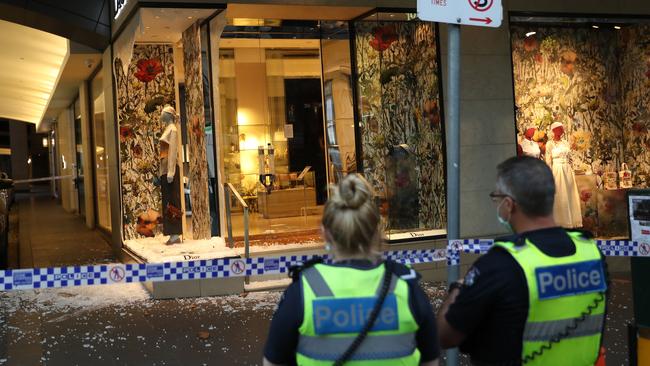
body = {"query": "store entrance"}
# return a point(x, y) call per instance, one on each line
point(307, 147)
point(273, 146)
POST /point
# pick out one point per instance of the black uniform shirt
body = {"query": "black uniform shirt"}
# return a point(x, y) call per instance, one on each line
point(493, 306)
point(282, 341)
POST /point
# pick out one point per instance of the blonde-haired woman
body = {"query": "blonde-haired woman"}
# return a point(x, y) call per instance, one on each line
point(359, 309)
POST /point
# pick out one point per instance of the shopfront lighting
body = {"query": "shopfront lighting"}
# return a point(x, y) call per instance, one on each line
point(595, 26)
point(530, 34)
point(617, 27)
point(29, 161)
point(44, 141)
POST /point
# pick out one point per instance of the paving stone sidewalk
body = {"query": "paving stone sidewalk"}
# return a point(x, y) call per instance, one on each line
point(121, 325)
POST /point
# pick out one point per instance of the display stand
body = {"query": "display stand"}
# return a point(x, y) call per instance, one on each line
point(639, 220)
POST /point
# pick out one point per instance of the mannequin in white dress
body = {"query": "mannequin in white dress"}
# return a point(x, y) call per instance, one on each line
point(528, 146)
point(566, 209)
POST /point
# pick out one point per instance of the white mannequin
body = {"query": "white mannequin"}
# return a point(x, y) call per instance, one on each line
point(170, 136)
point(172, 222)
point(566, 210)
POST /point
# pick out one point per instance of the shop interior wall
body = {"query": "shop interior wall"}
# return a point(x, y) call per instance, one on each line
point(88, 154)
point(487, 104)
point(334, 70)
point(66, 152)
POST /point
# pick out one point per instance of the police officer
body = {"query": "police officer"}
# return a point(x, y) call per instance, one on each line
point(359, 309)
point(538, 296)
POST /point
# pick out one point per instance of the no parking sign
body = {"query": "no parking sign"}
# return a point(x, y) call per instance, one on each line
point(482, 13)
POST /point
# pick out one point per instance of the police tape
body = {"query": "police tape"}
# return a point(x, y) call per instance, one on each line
point(609, 248)
point(107, 274)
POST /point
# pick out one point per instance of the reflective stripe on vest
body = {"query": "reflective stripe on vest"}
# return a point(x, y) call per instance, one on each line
point(337, 302)
point(322, 289)
point(559, 292)
point(545, 331)
point(376, 347)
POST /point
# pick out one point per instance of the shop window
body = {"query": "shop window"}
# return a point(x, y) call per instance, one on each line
point(591, 77)
point(401, 131)
point(273, 144)
point(164, 111)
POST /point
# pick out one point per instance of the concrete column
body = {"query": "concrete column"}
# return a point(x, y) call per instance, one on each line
point(19, 153)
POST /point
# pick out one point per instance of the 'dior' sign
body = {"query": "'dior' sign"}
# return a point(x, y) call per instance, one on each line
point(483, 13)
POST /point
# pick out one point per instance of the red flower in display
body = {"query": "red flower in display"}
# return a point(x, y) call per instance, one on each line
point(173, 213)
point(148, 69)
point(137, 151)
point(539, 58)
point(585, 195)
point(567, 62)
point(639, 128)
point(384, 37)
point(126, 132)
point(530, 44)
point(431, 112)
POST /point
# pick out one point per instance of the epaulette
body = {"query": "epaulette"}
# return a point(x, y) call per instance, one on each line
point(586, 234)
point(403, 271)
point(294, 271)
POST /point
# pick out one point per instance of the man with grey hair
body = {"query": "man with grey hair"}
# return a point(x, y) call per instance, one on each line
point(538, 296)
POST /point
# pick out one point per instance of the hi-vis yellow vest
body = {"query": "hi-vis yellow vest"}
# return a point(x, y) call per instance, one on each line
point(338, 302)
point(561, 291)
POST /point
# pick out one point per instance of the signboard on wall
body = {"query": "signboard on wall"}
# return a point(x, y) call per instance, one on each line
point(119, 6)
point(482, 13)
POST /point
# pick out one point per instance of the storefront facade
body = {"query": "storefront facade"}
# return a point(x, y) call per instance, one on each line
point(276, 102)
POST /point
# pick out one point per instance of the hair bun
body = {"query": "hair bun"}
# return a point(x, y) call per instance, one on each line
point(353, 191)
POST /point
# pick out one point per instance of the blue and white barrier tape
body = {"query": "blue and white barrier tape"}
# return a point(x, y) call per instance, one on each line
point(609, 248)
point(106, 274)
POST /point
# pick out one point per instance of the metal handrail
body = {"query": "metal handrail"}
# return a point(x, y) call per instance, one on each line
point(227, 189)
point(238, 196)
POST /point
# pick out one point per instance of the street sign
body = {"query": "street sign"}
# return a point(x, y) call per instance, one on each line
point(482, 13)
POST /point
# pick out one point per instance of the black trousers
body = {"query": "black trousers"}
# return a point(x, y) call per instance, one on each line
point(172, 213)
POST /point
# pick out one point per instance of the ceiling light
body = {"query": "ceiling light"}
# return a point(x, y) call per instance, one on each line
point(44, 141)
point(617, 27)
point(530, 34)
point(190, 17)
point(392, 15)
point(595, 26)
point(157, 17)
point(147, 27)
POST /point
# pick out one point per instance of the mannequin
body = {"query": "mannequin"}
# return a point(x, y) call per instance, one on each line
point(528, 146)
point(170, 178)
point(566, 209)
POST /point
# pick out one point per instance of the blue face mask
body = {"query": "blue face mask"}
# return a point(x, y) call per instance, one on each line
point(502, 221)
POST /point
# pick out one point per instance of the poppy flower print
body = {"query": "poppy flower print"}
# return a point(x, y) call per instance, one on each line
point(148, 69)
point(384, 37)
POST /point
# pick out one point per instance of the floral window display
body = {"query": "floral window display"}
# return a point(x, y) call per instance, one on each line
point(595, 80)
point(401, 128)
